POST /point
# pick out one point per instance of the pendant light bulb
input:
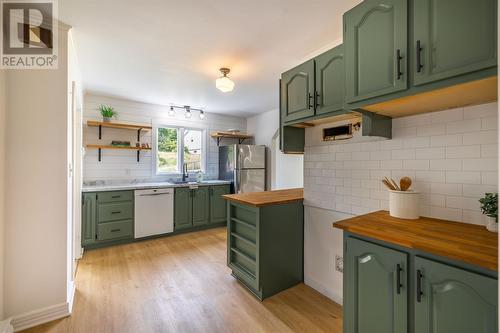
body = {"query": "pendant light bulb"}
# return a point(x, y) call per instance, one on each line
point(202, 115)
point(188, 112)
point(171, 112)
point(224, 83)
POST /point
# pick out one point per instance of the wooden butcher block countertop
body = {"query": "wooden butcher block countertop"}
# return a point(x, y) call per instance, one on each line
point(469, 243)
point(259, 199)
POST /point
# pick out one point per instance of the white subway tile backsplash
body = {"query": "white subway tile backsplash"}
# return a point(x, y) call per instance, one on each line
point(463, 177)
point(450, 155)
point(480, 164)
point(434, 129)
point(446, 140)
point(483, 137)
point(416, 164)
point(463, 126)
point(403, 154)
point(481, 111)
point(430, 153)
point(463, 151)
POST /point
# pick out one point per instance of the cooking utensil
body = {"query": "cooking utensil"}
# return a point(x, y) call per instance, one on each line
point(388, 185)
point(396, 187)
point(405, 183)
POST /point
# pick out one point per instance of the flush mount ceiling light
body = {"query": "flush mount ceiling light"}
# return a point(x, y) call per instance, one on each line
point(188, 111)
point(224, 83)
point(202, 115)
point(171, 112)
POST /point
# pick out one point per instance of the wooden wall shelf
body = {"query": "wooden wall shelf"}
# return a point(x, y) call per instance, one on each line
point(101, 147)
point(101, 124)
point(230, 135)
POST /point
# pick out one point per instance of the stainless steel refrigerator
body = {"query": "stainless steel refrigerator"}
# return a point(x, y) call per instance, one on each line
point(244, 166)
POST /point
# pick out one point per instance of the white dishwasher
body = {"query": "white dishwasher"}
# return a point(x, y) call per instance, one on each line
point(154, 212)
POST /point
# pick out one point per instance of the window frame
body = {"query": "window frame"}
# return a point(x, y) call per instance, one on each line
point(180, 148)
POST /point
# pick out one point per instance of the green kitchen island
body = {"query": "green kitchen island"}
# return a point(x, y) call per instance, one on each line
point(265, 240)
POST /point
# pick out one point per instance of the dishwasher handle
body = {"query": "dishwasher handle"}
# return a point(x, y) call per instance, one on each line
point(153, 194)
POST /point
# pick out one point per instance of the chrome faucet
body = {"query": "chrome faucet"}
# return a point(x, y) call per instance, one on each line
point(185, 174)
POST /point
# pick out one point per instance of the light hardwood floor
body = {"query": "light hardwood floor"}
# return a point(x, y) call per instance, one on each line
point(182, 284)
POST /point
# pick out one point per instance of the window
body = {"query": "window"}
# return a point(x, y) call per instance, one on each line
point(176, 146)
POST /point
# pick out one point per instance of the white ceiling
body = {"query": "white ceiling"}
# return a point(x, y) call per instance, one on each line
point(166, 51)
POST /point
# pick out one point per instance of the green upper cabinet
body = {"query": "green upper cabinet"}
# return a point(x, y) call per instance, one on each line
point(329, 95)
point(375, 49)
point(201, 205)
point(297, 95)
point(453, 37)
point(218, 205)
point(89, 215)
point(376, 288)
point(182, 208)
point(453, 300)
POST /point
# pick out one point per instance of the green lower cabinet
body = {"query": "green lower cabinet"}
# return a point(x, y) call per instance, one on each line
point(107, 217)
point(391, 289)
point(89, 218)
point(452, 300)
point(201, 205)
point(218, 210)
point(182, 208)
point(377, 289)
point(265, 246)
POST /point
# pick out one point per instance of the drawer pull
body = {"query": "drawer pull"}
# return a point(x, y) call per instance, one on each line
point(117, 212)
point(115, 230)
point(398, 62)
point(116, 196)
point(398, 278)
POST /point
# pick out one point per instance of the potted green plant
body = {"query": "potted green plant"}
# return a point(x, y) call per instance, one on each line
point(489, 208)
point(107, 112)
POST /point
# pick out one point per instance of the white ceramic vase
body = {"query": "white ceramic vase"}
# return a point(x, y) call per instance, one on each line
point(491, 224)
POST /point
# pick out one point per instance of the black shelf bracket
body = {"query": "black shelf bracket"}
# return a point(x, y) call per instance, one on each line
point(139, 135)
point(240, 141)
point(138, 156)
point(99, 154)
point(218, 140)
point(100, 132)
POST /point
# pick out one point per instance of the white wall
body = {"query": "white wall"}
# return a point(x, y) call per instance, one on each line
point(36, 225)
point(451, 156)
point(2, 182)
point(122, 165)
point(289, 168)
point(264, 128)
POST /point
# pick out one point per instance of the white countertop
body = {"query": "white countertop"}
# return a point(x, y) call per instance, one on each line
point(140, 186)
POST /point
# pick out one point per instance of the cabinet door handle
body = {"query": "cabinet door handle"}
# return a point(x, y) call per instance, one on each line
point(316, 99)
point(398, 63)
point(117, 212)
point(398, 278)
point(419, 60)
point(419, 286)
point(116, 196)
point(115, 230)
point(311, 105)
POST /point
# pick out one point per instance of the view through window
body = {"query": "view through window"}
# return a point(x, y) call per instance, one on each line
point(172, 141)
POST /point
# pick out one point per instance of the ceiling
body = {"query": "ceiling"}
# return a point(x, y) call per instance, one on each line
point(166, 51)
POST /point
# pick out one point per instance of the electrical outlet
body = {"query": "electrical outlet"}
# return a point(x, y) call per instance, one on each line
point(339, 264)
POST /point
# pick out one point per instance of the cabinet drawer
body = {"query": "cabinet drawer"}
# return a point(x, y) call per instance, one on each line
point(115, 211)
point(114, 230)
point(115, 196)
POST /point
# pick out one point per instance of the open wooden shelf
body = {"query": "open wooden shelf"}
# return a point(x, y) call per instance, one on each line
point(230, 135)
point(91, 146)
point(101, 147)
point(93, 123)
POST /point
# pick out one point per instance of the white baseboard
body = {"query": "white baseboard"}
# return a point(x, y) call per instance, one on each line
point(71, 295)
point(5, 326)
point(41, 316)
point(323, 290)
